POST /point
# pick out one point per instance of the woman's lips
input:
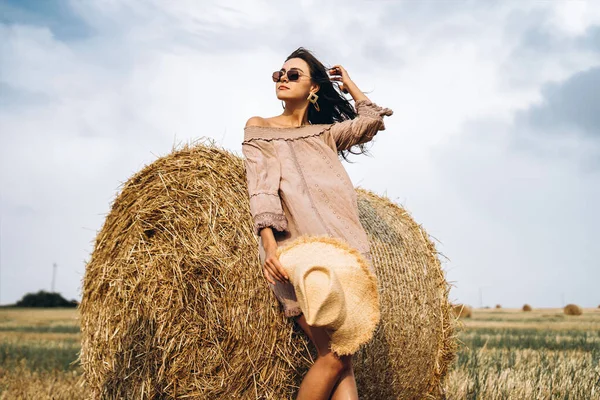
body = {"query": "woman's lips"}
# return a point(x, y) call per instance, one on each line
point(283, 88)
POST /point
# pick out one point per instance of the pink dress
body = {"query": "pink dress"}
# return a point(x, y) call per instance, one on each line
point(297, 184)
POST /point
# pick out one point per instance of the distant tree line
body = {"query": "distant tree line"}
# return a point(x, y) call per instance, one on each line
point(45, 299)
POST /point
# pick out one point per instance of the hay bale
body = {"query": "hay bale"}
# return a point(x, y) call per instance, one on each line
point(462, 311)
point(414, 344)
point(175, 304)
point(498, 306)
point(527, 307)
point(572, 309)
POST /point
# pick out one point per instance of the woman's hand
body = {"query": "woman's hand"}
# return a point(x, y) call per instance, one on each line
point(273, 268)
point(339, 74)
point(347, 85)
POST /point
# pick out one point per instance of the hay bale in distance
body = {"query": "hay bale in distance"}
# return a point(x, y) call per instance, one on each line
point(498, 306)
point(572, 309)
point(527, 307)
point(462, 310)
point(175, 304)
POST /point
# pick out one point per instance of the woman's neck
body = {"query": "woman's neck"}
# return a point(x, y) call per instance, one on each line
point(294, 116)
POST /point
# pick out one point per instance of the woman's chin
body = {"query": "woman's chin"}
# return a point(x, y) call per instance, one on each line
point(281, 95)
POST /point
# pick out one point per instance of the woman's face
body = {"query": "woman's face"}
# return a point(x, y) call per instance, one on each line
point(294, 90)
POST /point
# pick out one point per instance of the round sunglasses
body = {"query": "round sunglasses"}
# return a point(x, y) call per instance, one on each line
point(292, 75)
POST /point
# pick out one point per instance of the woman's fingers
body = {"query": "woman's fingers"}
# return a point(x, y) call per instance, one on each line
point(274, 271)
point(281, 270)
point(339, 74)
point(338, 70)
point(268, 276)
point(271, 273)
point(334, 71)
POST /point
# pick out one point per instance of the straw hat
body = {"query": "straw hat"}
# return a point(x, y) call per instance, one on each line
point(335, 288)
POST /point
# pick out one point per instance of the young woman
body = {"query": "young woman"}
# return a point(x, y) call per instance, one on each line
point(297, 185)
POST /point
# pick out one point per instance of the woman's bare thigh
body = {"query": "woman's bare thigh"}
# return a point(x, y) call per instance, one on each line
point(317, 335)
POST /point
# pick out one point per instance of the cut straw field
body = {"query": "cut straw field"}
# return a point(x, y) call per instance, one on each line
point(505, 354)
point(541, 354)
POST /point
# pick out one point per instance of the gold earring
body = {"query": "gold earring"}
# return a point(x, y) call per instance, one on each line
point(312, 97)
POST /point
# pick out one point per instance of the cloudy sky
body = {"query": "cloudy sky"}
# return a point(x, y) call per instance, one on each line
point(494, 145)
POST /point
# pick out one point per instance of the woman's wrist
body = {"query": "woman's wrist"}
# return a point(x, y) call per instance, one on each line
point(355, 92)
point(268, 239)
point(270, 248)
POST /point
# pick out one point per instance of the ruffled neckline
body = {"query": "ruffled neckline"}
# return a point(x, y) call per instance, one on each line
point(280, 128)
point(286, 133)
point(363, 107)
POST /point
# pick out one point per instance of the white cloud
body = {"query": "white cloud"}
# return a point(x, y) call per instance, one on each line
point(575, 17)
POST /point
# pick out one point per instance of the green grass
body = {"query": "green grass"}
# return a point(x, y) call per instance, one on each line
point(534, 339)
point(39, 355)
point(41, 329)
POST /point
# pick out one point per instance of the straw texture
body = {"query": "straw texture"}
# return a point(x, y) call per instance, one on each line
point(415, 342)
point(175, 304)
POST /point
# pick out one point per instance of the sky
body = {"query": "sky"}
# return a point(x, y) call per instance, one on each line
point(493, 147)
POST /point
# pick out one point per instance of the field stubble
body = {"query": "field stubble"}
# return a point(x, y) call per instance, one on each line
point(504, 354)
point(542, 354)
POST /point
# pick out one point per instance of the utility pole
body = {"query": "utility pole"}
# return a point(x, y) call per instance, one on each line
point(53, 276)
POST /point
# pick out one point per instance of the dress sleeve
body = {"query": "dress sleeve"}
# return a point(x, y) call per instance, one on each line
point(263, 173)
point(362, 128)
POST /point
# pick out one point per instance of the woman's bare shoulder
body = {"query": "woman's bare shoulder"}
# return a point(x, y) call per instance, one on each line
point(269, 122)
point(257, 121)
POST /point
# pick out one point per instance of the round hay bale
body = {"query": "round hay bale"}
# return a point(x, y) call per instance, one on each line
point(175, 304)
point(462, 311)
point(498, 306)
point(527, 307)
point(414, 345)
point(572, 309)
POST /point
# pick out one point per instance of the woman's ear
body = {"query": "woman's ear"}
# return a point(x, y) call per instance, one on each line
point(315, 87)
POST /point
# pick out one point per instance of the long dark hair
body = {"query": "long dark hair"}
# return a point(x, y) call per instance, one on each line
point(334, 107)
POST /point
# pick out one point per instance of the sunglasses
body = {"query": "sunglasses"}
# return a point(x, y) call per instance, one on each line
point(292, 75)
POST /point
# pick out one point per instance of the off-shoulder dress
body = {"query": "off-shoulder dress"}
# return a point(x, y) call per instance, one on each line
point(297, 184)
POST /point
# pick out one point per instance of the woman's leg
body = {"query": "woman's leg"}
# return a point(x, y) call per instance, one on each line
point(325, 373)
point(345, 389)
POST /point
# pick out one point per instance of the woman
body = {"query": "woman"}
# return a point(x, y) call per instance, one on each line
point(297, 185)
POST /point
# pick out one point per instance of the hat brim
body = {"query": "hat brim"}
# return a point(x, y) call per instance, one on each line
point(356, 278)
